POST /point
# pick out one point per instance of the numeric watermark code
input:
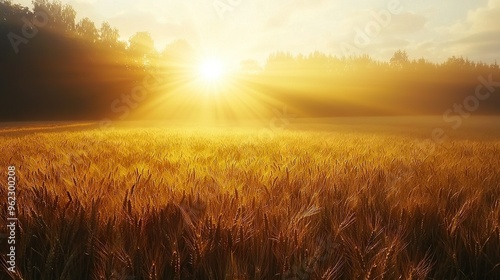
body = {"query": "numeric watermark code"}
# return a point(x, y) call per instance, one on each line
point(11, 218)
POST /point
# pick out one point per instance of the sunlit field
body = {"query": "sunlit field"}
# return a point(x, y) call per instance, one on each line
point(328, 202)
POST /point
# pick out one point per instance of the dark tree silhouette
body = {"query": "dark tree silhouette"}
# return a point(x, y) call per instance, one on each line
point(400, 59)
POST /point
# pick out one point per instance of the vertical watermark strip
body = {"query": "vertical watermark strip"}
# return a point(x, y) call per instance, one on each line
point(11, 218)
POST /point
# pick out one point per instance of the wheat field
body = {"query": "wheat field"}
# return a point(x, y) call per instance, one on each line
point(156, 203)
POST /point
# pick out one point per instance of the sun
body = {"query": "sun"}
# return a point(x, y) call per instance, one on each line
point(211, 70)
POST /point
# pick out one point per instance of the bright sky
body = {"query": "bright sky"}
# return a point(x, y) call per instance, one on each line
point(243, 29)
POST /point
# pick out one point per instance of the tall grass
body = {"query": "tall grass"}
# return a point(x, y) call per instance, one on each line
point(219, 204)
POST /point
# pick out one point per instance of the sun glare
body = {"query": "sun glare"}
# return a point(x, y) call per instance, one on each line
point(211, 70)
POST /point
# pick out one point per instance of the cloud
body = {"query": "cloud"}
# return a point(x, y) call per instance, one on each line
point(406, 22)
point(478, 35)
point(434, 29)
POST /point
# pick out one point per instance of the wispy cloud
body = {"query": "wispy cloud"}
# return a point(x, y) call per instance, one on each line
point(427, 28)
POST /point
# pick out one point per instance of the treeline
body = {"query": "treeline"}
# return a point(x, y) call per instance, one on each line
point(54, 67)
point(326, 85)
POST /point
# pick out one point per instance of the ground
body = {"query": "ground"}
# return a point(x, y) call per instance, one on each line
point(315, 199)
